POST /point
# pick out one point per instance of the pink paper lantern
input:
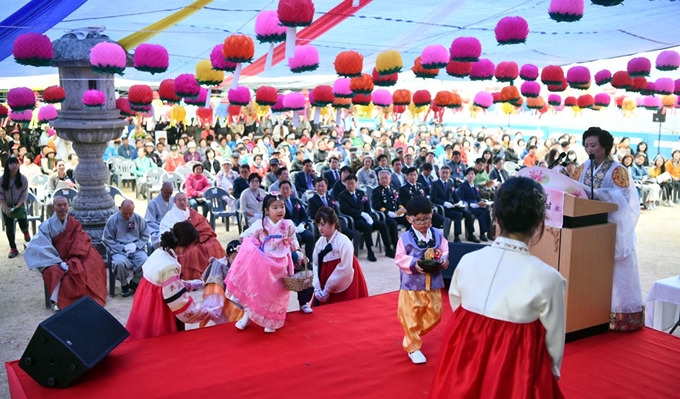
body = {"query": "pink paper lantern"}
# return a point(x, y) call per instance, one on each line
point(24, 116)
point(512, 30)
point(530, 89)
point(665, 86)
point(218, 62)
point(555, 100)
point(668, 60)
point(652, 103)
point(279, 107)
point(602, 99)
point(603, 77)
point(198, 100)
point(33, 49)
point(482, 70)
point(294, 101)
point(465, 49)
point(639, 66)
point(528, 72)
point(107, 57)
point(506, 71)
point(341, 88)
point(268, 28)
point(566, 10)
point(578, 76)
point(483, 99)
point(676, 90)
point(94, 99)
point(649, 89)
point(239, 96)
point(382, 98)
point(187, 86)
point(21, 99)
point(47, 113)
point(123, 105)
point(306, 59)
point(152, 58)
point(434, 57)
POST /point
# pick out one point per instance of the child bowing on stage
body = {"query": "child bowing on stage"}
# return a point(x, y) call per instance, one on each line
point(255, 280)
point(213, 292)
point(420, 298)
point(337, 273)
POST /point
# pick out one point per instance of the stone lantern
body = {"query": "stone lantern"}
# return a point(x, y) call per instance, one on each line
point(90, 130)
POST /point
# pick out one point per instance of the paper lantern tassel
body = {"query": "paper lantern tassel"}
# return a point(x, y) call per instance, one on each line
point(290, 42)
point(237, 74)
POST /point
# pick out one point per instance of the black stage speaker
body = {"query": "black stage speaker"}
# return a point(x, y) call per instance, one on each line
point(659, 116)
point(456, 251)
point(70, 343)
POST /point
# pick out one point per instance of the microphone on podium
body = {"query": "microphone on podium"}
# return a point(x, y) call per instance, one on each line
point(592, 175)
point(557, 160)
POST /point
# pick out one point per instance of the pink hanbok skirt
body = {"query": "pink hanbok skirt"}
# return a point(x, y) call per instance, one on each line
point(255, 281)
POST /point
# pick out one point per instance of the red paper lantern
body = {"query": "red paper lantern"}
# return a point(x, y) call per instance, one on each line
point(401, 97)
point(54, 94)
point(421, 98)
point(421, 72)
point(294, 13)
point(140, 97)
point(123, 105)
point(552, 75)
point(456, 101)
point(3, 111)
point(266, 95)
point(458, 69)
point(622, 80)
point(349, 64)
point(443, 99)
point(639, 84)
point(238, 48)
point(506, 71)
point(570, 101)
point(323, 95)
point(384, 80)
point(585, 101)
point(362, 84)
point(166, 92)
point(361, 99)
point(497, 97)
point(558, 88)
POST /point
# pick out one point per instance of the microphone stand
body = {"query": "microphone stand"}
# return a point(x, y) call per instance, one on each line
point(557, 160)
point(592, 176)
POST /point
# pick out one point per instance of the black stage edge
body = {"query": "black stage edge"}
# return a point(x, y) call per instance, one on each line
point(584, 221)
point(587, 332)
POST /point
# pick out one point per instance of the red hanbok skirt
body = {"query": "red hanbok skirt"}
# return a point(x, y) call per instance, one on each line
point(357, 289)
point(485, 358)
point(150, 315)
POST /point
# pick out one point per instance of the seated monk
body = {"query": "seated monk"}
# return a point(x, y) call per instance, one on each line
point(194, 258)
point(70, 266)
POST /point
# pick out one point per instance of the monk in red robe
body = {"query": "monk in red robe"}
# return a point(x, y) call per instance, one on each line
point(71, 267)
point(194, 258)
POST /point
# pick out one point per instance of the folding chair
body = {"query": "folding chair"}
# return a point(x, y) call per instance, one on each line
point(175, 178)
point(218, 207)
point(154, 182)
point(115, 192)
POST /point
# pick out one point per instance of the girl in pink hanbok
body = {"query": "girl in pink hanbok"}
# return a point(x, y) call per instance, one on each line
point(255, 280)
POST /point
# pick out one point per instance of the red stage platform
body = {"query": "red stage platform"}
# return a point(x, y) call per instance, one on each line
point(347, 350)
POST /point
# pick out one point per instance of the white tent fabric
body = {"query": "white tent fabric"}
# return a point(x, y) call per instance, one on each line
point(404, 25)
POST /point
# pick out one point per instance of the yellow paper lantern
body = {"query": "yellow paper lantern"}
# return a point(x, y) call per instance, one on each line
point(389, 62)
point(208, 76)
point(508, 109)
point(177, 114)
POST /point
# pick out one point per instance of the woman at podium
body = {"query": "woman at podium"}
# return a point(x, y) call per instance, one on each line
point(612, 183)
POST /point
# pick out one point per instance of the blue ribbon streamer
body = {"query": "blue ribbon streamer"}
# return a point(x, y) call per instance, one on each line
point(45, 13)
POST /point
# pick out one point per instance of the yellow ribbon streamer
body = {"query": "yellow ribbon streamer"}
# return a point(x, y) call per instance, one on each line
point(154, 29)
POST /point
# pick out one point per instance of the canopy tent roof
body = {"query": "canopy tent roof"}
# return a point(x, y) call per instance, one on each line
point(603, 32)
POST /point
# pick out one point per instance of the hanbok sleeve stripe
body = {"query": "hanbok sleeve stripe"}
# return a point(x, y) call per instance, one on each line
point(186, 306)
point(175, 297)
point(170, 281)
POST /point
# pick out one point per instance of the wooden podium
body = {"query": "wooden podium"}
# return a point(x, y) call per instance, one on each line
point(583, 252)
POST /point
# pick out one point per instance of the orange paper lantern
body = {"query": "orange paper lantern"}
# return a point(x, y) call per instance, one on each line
point(362, 84)
point(349, 64)
point(238, 48)
point(401, 97)
point(421, 72)
point(509, 94)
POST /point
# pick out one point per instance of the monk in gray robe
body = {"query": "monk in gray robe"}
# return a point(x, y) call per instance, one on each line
point(70, 265)
point(126, 236)
point(155, 211)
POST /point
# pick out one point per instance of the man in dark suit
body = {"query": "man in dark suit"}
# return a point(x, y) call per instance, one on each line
point(241, 182)
point(457, 168)
point(444, 193)
point(469, 193)
point(321, 198)
point(426, 178)
point(296, 213)
point(411, 188)
point(333, 174)
point(304, 180)
point(398, 179)
point(382, 164)
point(355, 204)
point(384, 200)
point(498, 173)
point(339, 185)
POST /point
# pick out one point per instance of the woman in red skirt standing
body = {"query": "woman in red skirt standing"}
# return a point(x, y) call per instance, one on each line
point(505, 338)
point(337, 274)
